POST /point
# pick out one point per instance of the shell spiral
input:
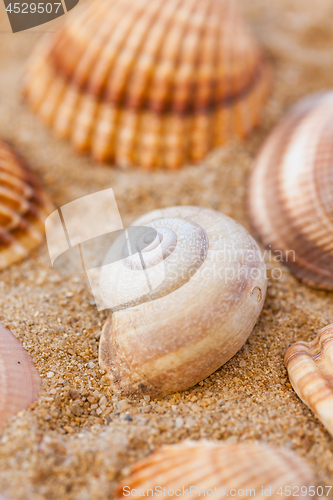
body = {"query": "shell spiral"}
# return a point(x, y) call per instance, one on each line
point(224, 466)
point(24, 207)
point(193, 319)
point(150, 83)
point(291, 191)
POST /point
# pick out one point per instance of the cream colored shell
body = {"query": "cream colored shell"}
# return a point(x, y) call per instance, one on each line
point(310, 369)
point(19, 379)
point(291, 191)
point(198, 318)
point(24, 207)
point(232, 468)
point(149, 82)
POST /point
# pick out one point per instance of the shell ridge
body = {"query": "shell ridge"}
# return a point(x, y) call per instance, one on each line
point(139, 133)
point(311, 376)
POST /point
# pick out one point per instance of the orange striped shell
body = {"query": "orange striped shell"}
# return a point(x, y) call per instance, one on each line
point(23, 208)
point(291, 191)
point(149, 82)
point(218, 470)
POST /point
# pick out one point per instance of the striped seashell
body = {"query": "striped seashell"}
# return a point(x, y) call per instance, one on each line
point(291, 191)
point(24, 207)
point(150, 82)
point(239, 467)
point(310, 368)
point(19, 380)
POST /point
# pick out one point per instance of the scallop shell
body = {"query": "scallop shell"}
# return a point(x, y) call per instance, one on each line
point(197, 317)
point(19, 379)
point(23, 208)
point(226, 467)
point(310, 368)
point(150, 82)
point(291, 191)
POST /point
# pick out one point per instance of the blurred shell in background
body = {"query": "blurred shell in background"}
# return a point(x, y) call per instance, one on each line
point(310, 368)
point(291, 191)
point(19, 380)
point(150, 82)
point(209, 465)
point(24, 207)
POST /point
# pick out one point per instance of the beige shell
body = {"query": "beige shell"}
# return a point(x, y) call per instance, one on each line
point(230, 468)
point(310, 368)
point(198, 317)
point(24, 207)
point(19, 379)
point(150, 82)
point(291, 191)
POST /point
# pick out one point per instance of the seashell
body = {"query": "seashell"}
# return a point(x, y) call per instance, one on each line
point(224, 466)
point(290, 192)
point(150, 83)
point(310, 369)
point(24, 207)
point(19, 379)
point(193, 321)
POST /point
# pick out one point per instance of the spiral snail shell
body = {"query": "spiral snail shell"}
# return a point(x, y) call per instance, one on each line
point(195, 319)
point(151, 82)
point(20, 382)
point(291, 191)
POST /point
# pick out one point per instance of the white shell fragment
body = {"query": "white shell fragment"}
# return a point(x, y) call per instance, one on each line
point(20, 382)
point(310, 368)
point(230, 468)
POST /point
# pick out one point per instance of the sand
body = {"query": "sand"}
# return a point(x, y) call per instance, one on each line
point(79, 438)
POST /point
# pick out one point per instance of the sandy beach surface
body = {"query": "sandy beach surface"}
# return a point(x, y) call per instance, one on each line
point(80, 438)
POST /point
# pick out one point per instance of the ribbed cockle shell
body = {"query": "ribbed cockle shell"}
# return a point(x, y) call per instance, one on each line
point(19, 379)
point(232, 468)
point(24, 207)
point(291, 191)
point(150, 82)
point(310, 368)
point(198, 316)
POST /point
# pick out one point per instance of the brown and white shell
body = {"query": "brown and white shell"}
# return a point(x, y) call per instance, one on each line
point(24, 207)
point(150, 82)
point(19, 379)
point(230, 468)
point(198, 316)
point(291, 191)
point(310, 368)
